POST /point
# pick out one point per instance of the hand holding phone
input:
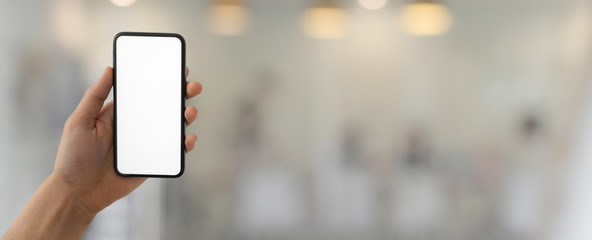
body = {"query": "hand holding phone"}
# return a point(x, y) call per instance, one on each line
point(84, 181)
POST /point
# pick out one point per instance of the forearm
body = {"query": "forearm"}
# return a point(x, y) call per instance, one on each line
point(51, 213)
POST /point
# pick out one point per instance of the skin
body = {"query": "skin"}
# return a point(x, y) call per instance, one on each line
point(83, 181)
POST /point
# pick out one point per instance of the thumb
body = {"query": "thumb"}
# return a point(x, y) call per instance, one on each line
point(106, 114)
point(90, 106)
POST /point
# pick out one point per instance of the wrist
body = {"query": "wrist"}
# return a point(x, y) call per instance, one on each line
point(70, 217)
point(69, 197)
point(53, 212)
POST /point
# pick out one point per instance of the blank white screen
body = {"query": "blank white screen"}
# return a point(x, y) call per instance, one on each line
point(148, 98)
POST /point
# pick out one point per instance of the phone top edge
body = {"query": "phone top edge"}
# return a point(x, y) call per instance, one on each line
point(150, 34)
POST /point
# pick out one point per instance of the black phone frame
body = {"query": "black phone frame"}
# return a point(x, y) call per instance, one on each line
point(183, 96)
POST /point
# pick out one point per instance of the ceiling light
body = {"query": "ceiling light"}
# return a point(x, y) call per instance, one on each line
point(425, 19)
point(123, 3)
point(325, 20)
point(228, 17)
point(372, 4)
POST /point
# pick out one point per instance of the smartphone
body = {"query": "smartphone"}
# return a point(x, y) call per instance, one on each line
point(149, 100)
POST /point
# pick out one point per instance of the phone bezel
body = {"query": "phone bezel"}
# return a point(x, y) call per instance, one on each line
point(183, 96)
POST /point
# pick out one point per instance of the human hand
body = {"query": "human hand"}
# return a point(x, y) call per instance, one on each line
point(83, 181)
point(84, 164)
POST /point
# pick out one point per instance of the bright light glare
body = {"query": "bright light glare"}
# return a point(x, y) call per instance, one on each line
point(123, 3)
point(426, 19)
point(228, 19)
point(372, 4)
point(324, 22)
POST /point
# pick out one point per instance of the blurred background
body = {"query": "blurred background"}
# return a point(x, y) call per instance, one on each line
point(328, 119)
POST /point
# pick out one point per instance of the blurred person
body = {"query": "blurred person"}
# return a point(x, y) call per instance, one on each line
point(526, 186)
point(270, 197)
point(470, 183)
point(351, 148)
point(346, 196)
point(249, 142)
point(478, 193)
point(418, 197)
point(83, 181)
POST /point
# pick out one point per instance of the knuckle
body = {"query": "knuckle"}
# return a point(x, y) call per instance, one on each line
point(69, 125)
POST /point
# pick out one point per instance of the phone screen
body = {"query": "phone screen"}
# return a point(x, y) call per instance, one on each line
point(149, 85)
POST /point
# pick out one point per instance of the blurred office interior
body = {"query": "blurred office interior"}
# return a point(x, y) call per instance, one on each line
point(328, 119)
